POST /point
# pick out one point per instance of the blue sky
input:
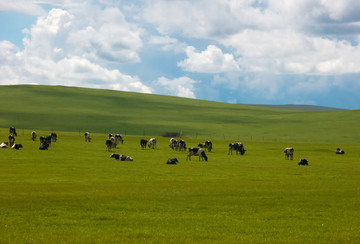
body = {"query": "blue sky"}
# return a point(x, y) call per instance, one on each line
point(236, 51)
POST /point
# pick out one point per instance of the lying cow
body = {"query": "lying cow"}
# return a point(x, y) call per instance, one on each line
point(120, 157)
point(172, 161)
point(238, 147)
point(339, 151)
point(44, 146)
point(87, 137)
point(33, 135)
point(303, 162)
point(17, 146)
point(152, 143)
point(289, 153)
point(197, 152)
point(143, 143)
point(4, 144)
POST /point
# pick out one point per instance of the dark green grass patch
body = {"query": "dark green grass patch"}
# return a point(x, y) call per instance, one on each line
point(75, 193)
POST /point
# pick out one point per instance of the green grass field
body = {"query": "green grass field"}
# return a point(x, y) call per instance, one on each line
point(75, 193)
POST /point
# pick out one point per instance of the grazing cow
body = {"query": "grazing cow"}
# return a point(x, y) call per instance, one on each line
point(53, 137)
point(45, 139)
point(17, 146)
point(339, 151)
point(119, 137)
point(238, 147)
point(44, 146)
point(197, 152)
point(303, 162)
point(143, 143)
point(11, 140)
point(182, 145)
point(4, 144)
point(12, 131)
point(33, 135)
point(172, 161)
point(289, 153)
point(207, 145)
point(87, 137)
point(120, 157)
point(152, 143)
point(174, 144)
point(109, 144)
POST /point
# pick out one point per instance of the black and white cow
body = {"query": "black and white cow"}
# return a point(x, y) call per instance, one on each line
point(53, 137)
point(12, 131)
point(303, 162)
point(17, 146)
point(109, 144)
point(143, 143)
point(44, 146)
point(174, 144)
point(87, 137)
point(207, 145)
point(119, 138)
point(33, 135)
point(197, 152)
point(4, 144)
point(182, 145)
point(45, 139)
point(11, 140)
point(289, 153)
point(172, 161)
point(339, 151)
point(120, 157)
point(238, 147)
point(152, 143)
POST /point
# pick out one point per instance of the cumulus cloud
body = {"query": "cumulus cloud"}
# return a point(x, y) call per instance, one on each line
point(212, 60)
point(181, 87)
point(59, 49)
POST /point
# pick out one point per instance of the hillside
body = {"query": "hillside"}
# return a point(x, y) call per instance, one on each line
point(81, 109)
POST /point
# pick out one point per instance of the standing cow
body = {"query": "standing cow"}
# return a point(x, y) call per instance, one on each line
point(152, 143)
point(11, 140)
point(238, 147)
point(289, 153)
point(33, 135)
point(87, 137)
point(12, 131)
point(197, 152)
point(143, 143)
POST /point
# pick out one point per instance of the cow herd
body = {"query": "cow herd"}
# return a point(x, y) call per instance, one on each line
point(175, 144)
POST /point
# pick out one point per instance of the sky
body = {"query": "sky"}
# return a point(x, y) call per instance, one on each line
point(233, 51)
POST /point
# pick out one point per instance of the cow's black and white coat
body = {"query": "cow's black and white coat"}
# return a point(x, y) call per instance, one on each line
point(143, 143)
point(120, 157)
point(152, 143)
point(4, 144)
point(289, 153)
point(207, 145)
point(17, 146)
point(12, 131)
point(174, 144)
point(303, 162)
point(53, 137)
point(11, 140)
point(33, 135)
point(238, 147)
point(339, 151)
point(87, 137)
point(197, 152)
point(172, 161)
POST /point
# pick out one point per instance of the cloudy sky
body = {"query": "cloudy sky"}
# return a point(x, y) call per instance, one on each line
point(236, 51)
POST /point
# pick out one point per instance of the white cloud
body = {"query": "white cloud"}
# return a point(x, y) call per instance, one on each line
point(181, 87)
point(58, 50)
point(22, 6)
point(212, 61)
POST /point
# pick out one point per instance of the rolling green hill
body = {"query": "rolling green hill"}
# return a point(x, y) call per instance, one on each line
point(81, 109)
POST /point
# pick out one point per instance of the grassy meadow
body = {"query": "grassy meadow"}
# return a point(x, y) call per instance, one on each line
point(76, 193)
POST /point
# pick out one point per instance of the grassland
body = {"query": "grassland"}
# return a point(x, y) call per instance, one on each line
point(79, 109)
point(74, 193)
